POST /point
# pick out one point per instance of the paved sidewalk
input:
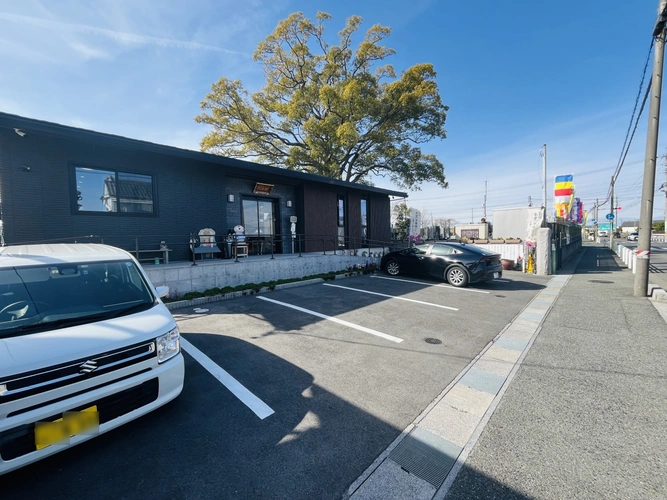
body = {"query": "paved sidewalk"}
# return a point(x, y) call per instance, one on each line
point(585, 414)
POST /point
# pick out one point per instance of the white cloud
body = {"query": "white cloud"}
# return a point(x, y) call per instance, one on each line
point(89, 52)
point(117, 36)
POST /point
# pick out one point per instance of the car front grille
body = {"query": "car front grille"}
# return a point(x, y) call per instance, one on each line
point(20, 441)
point(38, 381)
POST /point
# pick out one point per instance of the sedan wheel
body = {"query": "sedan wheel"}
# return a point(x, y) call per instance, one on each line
point(456, 277)
point(393, 267)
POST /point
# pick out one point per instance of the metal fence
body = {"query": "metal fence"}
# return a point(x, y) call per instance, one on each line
point(565, 241)
point(164, 248)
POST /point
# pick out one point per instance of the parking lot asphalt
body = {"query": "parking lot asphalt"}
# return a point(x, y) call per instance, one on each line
point(289, 394)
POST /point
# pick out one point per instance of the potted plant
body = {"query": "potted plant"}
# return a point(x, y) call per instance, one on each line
point(508, 264)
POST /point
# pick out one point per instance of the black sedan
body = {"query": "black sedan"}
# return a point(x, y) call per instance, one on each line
point(457, 263)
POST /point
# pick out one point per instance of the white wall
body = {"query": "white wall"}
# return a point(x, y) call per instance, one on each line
point(516, 222)
point(511, 251)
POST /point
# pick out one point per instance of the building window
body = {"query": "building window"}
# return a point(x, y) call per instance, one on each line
point(341, 221)
point(108, 191)
point(364, 221)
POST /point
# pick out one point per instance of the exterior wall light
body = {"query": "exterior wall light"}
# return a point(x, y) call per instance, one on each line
point(230, 198)
point(289, 203)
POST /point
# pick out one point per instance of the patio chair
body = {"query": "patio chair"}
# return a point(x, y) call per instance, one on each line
point(206, 246)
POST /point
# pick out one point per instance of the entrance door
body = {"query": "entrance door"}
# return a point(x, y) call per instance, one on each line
point(259, 220)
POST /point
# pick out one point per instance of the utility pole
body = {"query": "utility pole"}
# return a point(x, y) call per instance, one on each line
point(530, 201)
point(611, 211)
point(472, 215)
point(664, 188)
point(544, 187)
point(485, 200)
point(646, 214)
point(597, 221)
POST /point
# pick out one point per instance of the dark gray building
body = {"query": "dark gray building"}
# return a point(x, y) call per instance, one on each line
point(60, 182)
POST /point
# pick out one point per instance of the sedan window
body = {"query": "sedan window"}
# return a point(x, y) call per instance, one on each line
point(442, 250)
point(420, 249)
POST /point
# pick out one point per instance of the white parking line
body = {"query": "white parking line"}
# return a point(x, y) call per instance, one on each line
point(502, 281)
point(258, 407)
point(335, 320)
point(429, 284)
point(392, 297)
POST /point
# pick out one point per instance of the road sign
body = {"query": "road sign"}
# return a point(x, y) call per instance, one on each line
point(610, 216)
point(595, 223)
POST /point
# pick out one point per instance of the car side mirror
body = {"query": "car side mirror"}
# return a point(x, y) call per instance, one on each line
point(162, 291)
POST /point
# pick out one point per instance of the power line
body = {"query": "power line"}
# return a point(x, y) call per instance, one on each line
point(639, 93)
point(629, 137)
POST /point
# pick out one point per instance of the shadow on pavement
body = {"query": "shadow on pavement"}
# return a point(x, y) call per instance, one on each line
point(208, 444)
point(597, 260)
point(471, 483)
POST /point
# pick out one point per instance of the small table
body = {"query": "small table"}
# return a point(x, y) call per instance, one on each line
point(239, 250)
point(164, 251)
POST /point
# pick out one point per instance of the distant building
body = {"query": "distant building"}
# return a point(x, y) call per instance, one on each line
point(629, 226)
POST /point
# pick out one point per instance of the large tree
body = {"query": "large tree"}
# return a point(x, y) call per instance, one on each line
point(329, 109)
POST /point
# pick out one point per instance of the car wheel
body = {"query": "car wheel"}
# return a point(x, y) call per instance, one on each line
point(392, 267)
point(456, 276)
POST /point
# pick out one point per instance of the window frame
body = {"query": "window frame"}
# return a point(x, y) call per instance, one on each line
point(274, 212)
point(73, 191)
point(341, 222)
point(363, 208)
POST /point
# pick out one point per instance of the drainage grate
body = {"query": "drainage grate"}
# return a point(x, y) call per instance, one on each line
point(430, 340)
point(426, 456)
point(600, 281)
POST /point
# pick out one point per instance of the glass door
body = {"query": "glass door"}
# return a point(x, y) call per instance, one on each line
point(259, 220)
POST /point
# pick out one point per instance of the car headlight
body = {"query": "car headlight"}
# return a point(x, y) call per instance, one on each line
point(168, 345)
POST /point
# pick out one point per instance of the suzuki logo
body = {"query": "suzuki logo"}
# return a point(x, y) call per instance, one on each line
point(88, 366)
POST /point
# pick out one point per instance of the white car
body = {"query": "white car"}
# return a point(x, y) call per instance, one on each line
point(603, 233)
point(86, 345)
point(633, 236)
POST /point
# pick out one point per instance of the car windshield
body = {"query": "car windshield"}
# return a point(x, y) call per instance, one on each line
point(41, 297)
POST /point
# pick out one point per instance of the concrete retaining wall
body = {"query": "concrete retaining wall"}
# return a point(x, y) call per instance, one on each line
point(184, 277)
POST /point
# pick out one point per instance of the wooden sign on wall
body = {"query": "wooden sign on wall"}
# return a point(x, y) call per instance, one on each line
point(261, 188)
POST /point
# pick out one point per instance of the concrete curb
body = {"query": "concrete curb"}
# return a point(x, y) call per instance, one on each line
point(656, 293)
point(180, 304)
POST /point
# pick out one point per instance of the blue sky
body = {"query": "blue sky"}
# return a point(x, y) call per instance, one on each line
point(516, 75)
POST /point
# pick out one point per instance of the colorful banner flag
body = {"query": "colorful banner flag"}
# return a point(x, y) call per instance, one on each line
point(577, 211)
point(563, 195)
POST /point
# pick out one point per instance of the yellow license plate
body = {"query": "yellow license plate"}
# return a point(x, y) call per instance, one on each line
point(71, 424)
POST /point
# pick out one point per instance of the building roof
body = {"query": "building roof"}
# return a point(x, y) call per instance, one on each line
point(630, 223)
point(29, 125)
